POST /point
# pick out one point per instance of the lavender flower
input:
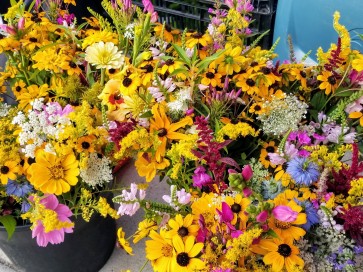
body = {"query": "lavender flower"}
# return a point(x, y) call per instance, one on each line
point(303, 171)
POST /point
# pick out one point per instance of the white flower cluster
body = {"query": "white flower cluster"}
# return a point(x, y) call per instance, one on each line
point(97, 172)
point(282, 115)
point(42, 123)
point(180, 104)
point(4, 109)
point(130, 31)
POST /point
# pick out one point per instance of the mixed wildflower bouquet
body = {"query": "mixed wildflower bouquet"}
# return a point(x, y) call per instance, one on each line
point(262, 157)
point(53, 139)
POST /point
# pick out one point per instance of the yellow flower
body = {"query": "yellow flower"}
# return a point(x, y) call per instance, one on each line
point(19, 88)
point(170, 66)
point(98, 36)
point(357, 114)
point(185, 258)
point(168, 33)
point(231, 61)
point(288, 230)
point(357, 63)
point(165, 129)
point(265, 159)
point(33, 92)
point(279, 254)
point(122, 242)
point(86, 144)
point(8, 171)
point(198, 39)
point(159, 251)
point(146, 165)
point(53, 175)
point(233, 131)
point(104, 55)
point(238, 206)
point(328, 82)
point(144, 229)
point(210, 77)
point(182, 227)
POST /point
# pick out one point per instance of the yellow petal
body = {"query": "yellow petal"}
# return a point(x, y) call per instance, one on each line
point(355, 114)
point(178, 244)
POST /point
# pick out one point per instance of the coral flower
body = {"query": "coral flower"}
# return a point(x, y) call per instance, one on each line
point(185, 260)
point(279, 253)
point(160, 251)
point(165, 129)
point(53, 175)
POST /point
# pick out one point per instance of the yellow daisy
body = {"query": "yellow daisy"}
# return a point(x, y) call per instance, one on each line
point(8, 171)
point(183, 227)
point(159, 251)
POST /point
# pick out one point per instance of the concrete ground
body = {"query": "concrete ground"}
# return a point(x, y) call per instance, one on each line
point(120, 261)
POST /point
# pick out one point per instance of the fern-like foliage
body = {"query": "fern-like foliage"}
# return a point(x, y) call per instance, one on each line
point(91, 94)
point(338, 112)
point(104, 23)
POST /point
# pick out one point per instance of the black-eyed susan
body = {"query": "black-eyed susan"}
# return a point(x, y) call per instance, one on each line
point(167, 31)
point(211, 77)
point(198, 39)
point(247, 83)
point(265, 159)
point(33, 92)
point(112, 72)
point(281, 175)
point(147, 74)
point(166, 130)
point(160, 251)
point(122, 242)
point(238, 206)
point(256, 108)
point(185, 259)
point(300, 74)
point(329, 82)
point(170, 65)
point(269, 147)
point(129, 84)
point(72, 68)
point(8, 171)
point(183, 227)
point(19, 88)
point(280, 254)
point(267, 76)
point(144, 229)
point(288, 230)
point(86, 144)
point(33, 40)
point(52, 174)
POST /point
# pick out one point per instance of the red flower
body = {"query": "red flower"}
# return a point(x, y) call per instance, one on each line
point(353, 223)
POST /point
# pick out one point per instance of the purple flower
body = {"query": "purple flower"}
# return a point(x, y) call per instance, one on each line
point(201, 178)
point(303, 171)
point(262, 216)
point(18, 189)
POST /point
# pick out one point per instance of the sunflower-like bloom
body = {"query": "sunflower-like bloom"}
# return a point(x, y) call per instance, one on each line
point(328, 82)
point(165, 129)
point(231, 61)
point(53, 175)
point(8, 171)
point(185, 259)
point(279, 253)
point(104, 55)
point(160, 251)
point(183, 227)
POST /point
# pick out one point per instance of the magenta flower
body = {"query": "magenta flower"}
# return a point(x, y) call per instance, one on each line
point(284, 213)
point(247, 172)
point(262, 216)
point(56, 236)
point(201, 178)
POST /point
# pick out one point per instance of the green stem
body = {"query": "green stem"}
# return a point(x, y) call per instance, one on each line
point(142, 268)
point(103, 76)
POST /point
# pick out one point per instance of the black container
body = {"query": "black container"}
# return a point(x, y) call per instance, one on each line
point(193, 14)
point(87, 249)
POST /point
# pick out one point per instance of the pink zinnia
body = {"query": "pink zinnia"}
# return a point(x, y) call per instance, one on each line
point(55, 236)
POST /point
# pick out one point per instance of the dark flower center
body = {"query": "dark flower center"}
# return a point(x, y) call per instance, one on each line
point(32, 39)
point(282, 225)
point(167, 28)
point(18, 88)
point(254, 63)
point(209, 75)
point(284, 250)
point(267, 158)
point(266, 70)
point(183, 231)
point(169, 62)
point(72, 65)
point(117, 96)
point(182, 259)
point(85, 145)
point(250, 82)
point(31, 161)
point(162, 132)
point(111, 71)
point(127, 81)
point(236, 208)
point(4, 169)
point(257, 107)
point(148, 68)
point(197, 35)
point(332, 80)
point(303, 74)
point(270, 149)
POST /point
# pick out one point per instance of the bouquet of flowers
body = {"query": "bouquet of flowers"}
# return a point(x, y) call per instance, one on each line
point(53, 139)
point(262, 157)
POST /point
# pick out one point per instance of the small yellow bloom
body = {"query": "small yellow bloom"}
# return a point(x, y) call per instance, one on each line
point(122, 242)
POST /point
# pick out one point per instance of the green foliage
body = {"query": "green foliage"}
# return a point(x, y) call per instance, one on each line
point(104, 23)
point(9, 224)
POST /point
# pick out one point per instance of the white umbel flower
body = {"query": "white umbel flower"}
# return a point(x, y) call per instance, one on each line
point(104, 55)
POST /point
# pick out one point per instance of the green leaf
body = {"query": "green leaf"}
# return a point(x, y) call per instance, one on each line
point(343, 93)
point(271, 233)
point(147, 114)
point(9, 224)
point(180, 71)
point(318, 101)
point(182, 54)
point(204, 63)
